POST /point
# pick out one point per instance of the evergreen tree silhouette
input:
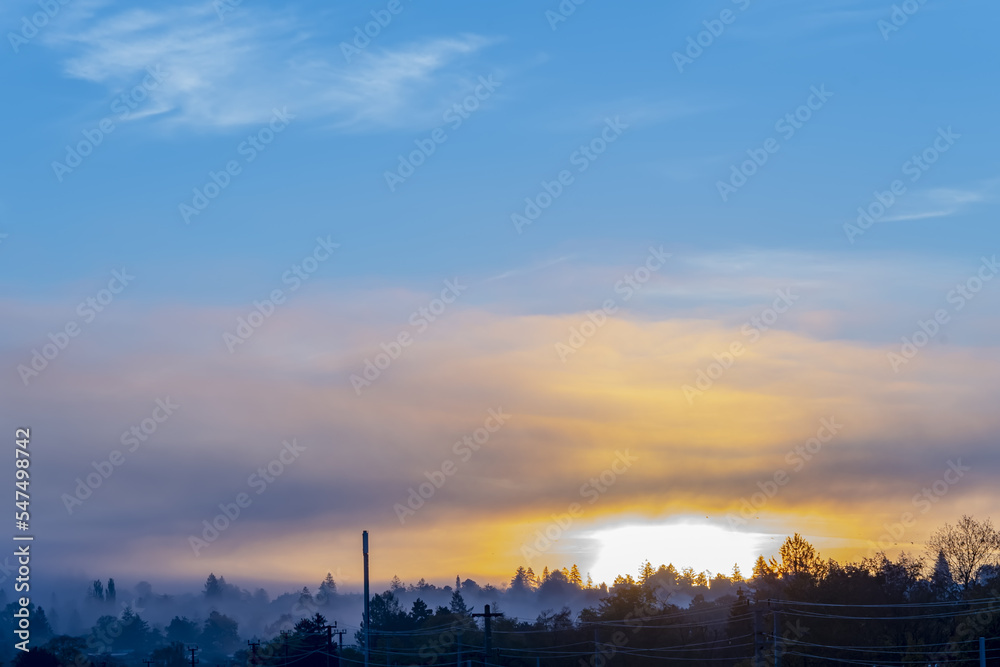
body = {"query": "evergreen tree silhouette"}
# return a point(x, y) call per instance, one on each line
point(457, 605)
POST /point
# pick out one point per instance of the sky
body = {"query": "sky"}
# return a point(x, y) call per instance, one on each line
point(529, 283)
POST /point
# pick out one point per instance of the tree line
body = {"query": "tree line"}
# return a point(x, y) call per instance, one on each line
point(928, 608)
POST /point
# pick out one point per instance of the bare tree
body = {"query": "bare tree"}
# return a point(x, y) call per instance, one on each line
point(967, 546)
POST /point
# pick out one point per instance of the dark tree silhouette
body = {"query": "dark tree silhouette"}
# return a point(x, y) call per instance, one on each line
point(520, 583)
point(420, 612)
point(97, 590)
point(942, 583)
point(41, 630)
point(213, 587)
point(458, 605)
point(220, 634)
point(327, 589)
point(182, 630)
point(967, 547)
point(38, 657)
point(68, 650)
point(172, 655)
point(135, 632)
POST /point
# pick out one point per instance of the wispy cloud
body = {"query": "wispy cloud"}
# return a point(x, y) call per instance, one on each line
point(234, 73)
point(524, 270)
point(636, 111)
point(789, 19)
point(943, 202)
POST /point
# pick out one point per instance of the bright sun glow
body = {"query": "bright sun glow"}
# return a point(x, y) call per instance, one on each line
point(702, 546)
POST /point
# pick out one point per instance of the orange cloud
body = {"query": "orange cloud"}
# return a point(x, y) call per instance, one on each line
point(620, 391)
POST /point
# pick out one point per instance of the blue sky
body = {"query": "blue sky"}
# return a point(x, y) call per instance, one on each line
point(325, 174)
point(555, 86)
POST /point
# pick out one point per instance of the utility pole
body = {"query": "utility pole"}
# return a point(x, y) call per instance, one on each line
point(776, 637)
point(458, 659)
point(194, 661)
point(253, 648)
point(284, 642)
point(597, 647)
point(330, 631)
point(368, 618)
point(488, 633)
point(340, 641)
point(982, 652)
point(758, 624)
point(148, 662)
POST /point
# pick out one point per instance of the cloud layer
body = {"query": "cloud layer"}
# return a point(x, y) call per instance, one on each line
point(620, 389)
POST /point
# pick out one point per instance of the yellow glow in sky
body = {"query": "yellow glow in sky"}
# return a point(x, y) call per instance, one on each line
point(703, 546)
